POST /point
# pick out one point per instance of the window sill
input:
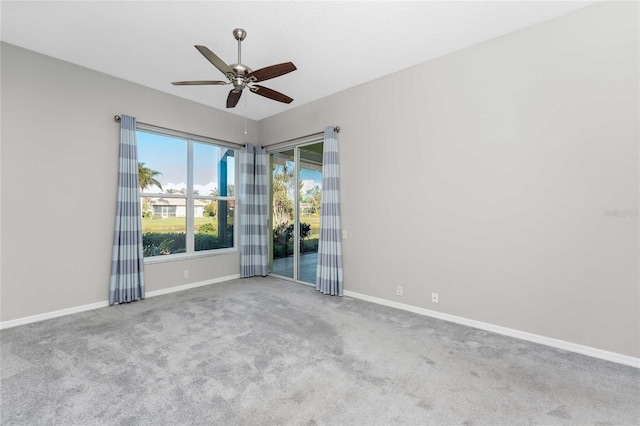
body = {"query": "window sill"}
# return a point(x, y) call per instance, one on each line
point(188, 256)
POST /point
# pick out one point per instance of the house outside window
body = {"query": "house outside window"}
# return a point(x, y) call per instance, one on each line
point(187, 193)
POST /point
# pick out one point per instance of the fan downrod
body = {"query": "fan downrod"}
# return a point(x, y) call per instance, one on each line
point(241, 70)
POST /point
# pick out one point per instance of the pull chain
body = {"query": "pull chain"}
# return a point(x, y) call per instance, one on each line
point(245, 115)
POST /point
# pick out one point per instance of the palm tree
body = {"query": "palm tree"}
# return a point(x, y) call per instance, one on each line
point(282, 201)
point(147, 177)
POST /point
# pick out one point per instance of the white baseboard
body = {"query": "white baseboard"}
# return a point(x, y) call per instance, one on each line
point(53, 314)
point(548, 341)
point(97, 305)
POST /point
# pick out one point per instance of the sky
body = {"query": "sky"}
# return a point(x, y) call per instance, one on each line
point(168, 155)
point(310, 179)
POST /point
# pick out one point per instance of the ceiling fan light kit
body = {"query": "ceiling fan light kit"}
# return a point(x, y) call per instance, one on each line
point(241, 76)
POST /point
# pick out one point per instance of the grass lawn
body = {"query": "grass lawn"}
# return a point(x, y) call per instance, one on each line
point(176, 224)
point(314, 222)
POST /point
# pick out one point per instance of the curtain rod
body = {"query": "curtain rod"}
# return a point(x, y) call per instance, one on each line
point(232, 144)
point(336, 129)
point(288, 141)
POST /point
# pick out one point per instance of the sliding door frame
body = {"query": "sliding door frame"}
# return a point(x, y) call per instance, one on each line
point(295, 145)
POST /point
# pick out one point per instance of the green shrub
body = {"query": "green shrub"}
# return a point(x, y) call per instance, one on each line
point(309, 246)
point(284, 250)
point(207, 228)
point(159, 243)
point(156, 243)
point(206, 241)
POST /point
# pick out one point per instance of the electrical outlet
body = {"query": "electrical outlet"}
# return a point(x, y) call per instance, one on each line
point(344, 234)
point(186, 274)
point(398, 291)
point(434, 297)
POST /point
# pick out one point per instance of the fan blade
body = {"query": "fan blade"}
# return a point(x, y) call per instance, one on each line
point(216, 61)
point(233, 98)
point(198, 82)
point(271, 94)
point(273, 71)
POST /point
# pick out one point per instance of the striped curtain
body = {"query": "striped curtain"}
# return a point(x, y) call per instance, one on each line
point(127, 260)
point(329, 271)
point(253, 212)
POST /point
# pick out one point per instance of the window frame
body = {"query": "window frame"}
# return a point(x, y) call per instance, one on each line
point(190, 197)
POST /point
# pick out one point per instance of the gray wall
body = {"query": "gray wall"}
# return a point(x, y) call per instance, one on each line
point(486, 175)
point(59, 178)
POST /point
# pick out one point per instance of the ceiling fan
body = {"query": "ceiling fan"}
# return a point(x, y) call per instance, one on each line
point(241, 76)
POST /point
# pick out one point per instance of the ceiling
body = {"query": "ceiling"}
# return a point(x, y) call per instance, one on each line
point(335, 45)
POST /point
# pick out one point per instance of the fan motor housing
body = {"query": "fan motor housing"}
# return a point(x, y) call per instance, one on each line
point(241, 70)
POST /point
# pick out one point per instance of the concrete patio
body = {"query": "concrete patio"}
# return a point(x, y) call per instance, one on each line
point(306, 267)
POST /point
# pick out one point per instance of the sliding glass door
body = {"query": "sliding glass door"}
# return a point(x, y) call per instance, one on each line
point(283, 212)
point(296, 188)
point(310, 184)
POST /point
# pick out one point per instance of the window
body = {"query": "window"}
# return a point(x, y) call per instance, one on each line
point(187, 193)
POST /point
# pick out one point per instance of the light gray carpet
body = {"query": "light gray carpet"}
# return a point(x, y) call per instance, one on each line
point(265, 351)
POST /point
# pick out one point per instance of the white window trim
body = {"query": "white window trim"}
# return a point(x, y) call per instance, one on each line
point(190, 139)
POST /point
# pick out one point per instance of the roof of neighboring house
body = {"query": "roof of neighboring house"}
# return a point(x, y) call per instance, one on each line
point(174, 202)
